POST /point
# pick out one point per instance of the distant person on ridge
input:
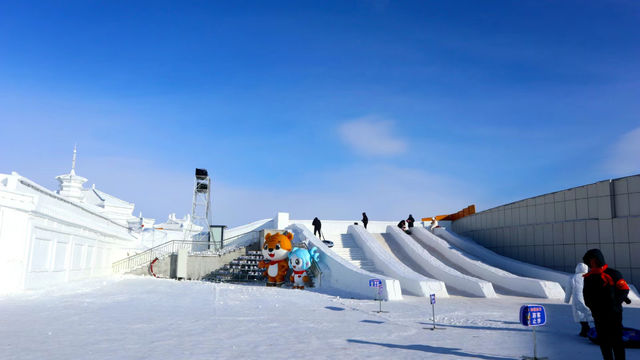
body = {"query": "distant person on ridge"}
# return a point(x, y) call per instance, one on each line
point(434, 223)
point(575, 286)
point(402, 225)
point(604, 291)
point(410, 221)
point(365, 220)
point(317, 225)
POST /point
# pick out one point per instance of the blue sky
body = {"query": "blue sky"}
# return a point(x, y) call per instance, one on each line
point(321, 108)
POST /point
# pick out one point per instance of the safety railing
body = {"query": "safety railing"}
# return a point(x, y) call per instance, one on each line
point(234, 242)
point(314, 269)
point(145, 257)
point(194, 246)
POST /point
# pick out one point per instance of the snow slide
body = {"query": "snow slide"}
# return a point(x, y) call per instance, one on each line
point(410, 281)
point(512, 265)
point(425, 263)
point(339, 274)
point(521, 285)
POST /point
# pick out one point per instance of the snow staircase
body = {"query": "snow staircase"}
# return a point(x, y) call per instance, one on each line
point(346, 247)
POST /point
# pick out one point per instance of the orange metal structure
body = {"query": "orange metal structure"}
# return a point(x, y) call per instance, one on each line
point(469, 210)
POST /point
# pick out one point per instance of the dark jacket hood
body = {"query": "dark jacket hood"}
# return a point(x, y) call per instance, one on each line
point(594, 254)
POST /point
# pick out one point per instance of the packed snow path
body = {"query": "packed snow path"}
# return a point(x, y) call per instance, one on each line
point(146, 318)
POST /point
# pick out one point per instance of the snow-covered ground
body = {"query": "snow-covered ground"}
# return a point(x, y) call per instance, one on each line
point(145, 318)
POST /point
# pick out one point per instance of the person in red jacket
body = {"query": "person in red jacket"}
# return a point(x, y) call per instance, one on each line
point(604, 292)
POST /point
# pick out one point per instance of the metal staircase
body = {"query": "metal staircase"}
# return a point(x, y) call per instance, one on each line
point(242, 269)
point(346, 247)
point(245, 269)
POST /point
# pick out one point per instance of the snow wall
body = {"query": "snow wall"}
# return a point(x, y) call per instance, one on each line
point(339, 275)
point(434, 267)
point(523, 286)
point(410, 281)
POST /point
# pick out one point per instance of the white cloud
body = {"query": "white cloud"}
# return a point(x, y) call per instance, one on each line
point(625, 154)
point(372, 136)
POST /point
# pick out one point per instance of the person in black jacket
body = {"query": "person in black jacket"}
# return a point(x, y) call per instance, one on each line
point(317, 225)
point(604, 291)
point(365, 220)
point(410, 221)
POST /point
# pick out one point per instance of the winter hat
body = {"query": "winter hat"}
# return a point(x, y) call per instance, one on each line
point(594, 254)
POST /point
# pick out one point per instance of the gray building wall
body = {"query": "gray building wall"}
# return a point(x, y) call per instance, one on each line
point(556, 229)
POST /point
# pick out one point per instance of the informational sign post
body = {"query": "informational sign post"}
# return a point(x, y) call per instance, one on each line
point(377, 283)
point(432, 300)
point(534, 316)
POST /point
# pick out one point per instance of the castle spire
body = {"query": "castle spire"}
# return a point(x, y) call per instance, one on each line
point(73, 162)
point(71, 184)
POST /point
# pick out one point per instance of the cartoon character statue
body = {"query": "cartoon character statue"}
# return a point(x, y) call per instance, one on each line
point(276, 251)
point(299, 261)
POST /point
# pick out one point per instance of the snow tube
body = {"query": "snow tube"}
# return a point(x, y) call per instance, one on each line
point(630, 337)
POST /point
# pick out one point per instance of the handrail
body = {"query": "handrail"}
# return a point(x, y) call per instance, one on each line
point(134, 261)
point(226, 240)
point(315, 267)
point(145, 257)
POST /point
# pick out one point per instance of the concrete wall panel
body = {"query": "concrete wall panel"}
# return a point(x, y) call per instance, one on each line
point(621, 252)
point(633, 183)
point(606, 231)
point(634, 204)
point(602, 215)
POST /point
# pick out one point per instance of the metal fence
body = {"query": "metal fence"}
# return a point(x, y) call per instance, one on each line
point(145, 257)
point(194, 246)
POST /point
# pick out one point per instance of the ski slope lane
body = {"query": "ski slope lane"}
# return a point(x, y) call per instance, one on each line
point(410, 281)
point(521, 285)
point(512, 265)
point(505, 263)
point(339, 276)
point(421, 261)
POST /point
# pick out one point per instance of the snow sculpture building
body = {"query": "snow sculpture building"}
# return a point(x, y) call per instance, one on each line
point(51, 237)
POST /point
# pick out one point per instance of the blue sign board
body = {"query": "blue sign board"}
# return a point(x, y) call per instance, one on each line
point(432, 297)
point(375, 283)
point(532, 315)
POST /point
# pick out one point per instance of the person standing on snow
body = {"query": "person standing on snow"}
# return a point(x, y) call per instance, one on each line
point(581, 312)
point(365, 220)
point(410, 221)
point(604, 291)
point(317, 225)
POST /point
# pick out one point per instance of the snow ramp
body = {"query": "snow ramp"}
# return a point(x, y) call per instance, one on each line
point(521, 285)
point(422, 261)
point(339, 275)
point(410, 281)
point(511, 265)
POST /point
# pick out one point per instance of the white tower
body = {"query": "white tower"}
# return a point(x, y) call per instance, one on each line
point(200, 208)
point(71, 184)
